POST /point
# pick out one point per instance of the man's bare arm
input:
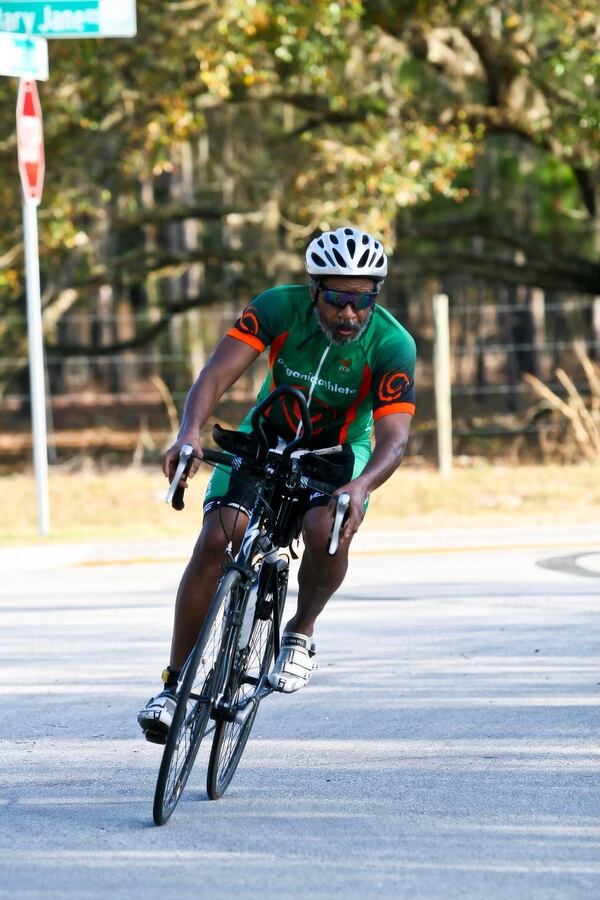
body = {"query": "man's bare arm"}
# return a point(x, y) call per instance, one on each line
point(228, 362)
point(391, 437)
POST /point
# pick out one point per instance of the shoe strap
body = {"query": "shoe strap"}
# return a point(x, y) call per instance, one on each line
point(294, 639)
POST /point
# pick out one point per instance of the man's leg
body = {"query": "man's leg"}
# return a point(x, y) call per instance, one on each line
point(196, 591)
point(200, 579)
point(320, 575)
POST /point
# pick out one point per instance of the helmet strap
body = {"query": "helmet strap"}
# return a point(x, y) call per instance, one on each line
point(314, 286)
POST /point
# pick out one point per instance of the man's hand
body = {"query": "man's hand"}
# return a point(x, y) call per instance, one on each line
point(358, 494)
point(171, 458)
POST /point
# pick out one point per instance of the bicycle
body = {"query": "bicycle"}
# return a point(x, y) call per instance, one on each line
point(224, 678)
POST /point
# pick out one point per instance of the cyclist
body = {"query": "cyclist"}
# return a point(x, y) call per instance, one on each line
point(355, 363)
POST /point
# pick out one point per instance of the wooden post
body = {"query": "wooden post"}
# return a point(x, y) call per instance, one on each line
point(543, 369)
point(442, 382)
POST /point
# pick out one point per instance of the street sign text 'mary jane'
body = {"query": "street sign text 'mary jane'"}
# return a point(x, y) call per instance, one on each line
point(69, 18)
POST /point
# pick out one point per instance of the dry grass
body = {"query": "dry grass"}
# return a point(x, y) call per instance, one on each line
point(575, 426)
point(128, 503)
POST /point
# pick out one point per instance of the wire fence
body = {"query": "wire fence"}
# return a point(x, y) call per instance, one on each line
point(105, 401)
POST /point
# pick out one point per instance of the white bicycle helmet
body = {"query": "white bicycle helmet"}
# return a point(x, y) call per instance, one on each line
point(346, 251)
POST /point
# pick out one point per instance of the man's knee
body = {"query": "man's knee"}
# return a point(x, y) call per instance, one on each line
point(316, 528)
point(218, 529)
point(211, 544)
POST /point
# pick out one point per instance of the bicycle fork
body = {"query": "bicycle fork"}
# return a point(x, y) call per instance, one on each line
point(240, 712)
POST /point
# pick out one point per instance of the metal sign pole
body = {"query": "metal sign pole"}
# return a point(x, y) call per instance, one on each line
point(442, 382)
point(36, 365)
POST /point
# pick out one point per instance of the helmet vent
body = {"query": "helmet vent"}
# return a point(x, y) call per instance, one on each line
point(352, 246)
point(348, 231)
point(340, 259)
point(318, 260)
point(363, 260)
point(334, 239)
point(365, 239)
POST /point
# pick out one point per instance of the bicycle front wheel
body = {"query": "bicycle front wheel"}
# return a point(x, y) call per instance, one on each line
point(199, 689)
point(251, 664)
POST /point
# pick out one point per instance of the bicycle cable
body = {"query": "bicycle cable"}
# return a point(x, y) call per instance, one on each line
point(251, 490)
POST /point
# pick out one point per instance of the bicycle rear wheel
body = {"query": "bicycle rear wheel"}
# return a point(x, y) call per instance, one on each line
point(250, 665)
point(195, 698)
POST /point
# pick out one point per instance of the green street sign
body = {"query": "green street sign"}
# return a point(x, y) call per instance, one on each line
point(69, 18)
point(23, 57)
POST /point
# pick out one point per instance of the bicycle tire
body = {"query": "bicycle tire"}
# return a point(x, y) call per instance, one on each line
point(193, 704)
point(231, 737)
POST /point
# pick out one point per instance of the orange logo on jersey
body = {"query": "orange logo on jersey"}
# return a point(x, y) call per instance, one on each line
point(248, 321)
point(392, 386)
point(323, 417)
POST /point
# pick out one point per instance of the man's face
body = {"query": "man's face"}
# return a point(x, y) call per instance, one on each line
point(343, 324)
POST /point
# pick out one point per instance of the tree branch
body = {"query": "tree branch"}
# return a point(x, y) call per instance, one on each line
point(175, 212)
point(504, 271)
point(141, 339)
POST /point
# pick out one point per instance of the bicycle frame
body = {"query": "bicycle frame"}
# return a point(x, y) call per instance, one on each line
point(239, 639)
point(286, 458)
point(239, 618)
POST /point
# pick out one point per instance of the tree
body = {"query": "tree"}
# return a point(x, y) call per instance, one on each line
point(313, 113)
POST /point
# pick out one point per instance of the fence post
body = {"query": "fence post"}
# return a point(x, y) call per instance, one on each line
point(442, 382)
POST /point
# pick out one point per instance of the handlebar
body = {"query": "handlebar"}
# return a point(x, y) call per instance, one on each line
point(176, 490)
point(342, 508)
point(175, 493)
point(186, 454)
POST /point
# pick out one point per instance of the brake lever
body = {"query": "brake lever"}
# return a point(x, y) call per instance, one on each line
point(175, 491)
point(341, 511)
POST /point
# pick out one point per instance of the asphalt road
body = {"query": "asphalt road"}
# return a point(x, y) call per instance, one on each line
point(448, 745)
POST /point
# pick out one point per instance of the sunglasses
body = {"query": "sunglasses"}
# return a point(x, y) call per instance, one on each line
point(340, 299)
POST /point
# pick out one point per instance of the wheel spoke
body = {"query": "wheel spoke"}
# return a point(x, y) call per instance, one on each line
point(231, 736)
point(194, 704)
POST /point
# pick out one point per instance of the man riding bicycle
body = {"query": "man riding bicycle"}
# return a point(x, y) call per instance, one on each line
point(355, 364)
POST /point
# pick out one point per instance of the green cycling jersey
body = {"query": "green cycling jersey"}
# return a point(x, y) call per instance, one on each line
point(347, 385)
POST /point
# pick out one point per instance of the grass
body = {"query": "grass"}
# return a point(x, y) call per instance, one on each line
point(129, 503)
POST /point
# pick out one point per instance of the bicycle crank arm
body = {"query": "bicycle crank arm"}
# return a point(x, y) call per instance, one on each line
point(244, 711)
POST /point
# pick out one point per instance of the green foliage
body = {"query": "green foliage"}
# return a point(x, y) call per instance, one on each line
point(334, 110)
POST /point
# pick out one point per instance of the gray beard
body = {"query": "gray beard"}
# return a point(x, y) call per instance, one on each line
point(335, 338)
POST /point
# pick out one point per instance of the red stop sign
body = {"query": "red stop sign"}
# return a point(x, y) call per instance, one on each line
point(30, 140)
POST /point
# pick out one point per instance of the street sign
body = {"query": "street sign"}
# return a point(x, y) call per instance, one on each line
point(24, 57)
point(30, 141)
point(69, 18)
point(30, 149)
